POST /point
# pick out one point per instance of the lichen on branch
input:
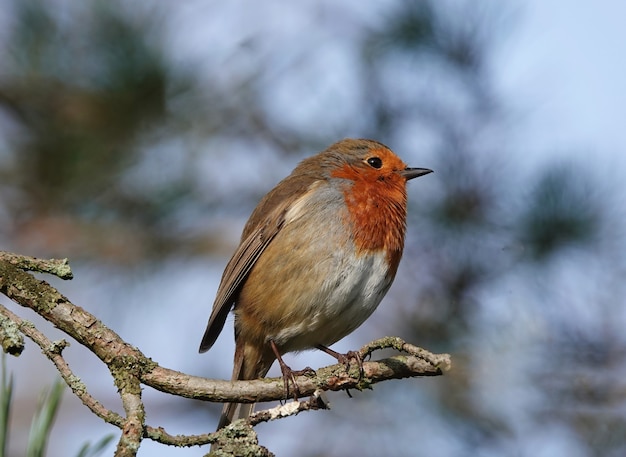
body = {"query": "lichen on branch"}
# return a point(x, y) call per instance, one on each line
point(130, 368)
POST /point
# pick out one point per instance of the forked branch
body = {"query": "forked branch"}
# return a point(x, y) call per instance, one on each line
point(130, 367)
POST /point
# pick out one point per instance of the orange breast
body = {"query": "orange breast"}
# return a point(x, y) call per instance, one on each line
point(377, 207)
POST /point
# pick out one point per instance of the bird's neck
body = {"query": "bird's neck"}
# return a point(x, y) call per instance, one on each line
point(377, 213)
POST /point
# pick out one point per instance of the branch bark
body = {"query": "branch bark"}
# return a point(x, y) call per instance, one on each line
point(130, 367)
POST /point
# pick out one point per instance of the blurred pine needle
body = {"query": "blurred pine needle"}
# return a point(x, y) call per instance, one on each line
point(43, 420)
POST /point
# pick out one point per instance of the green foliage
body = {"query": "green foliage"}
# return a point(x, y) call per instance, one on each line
point(409, 28)
point(83, 98)
point(82, 95)
point(561, 212)
point(43, 420)
point(93, 450)
point(6, 397)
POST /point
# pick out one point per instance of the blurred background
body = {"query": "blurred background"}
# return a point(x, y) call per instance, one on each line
point(136, 138)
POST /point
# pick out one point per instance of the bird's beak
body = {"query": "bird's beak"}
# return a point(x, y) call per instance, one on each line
point(410, 173)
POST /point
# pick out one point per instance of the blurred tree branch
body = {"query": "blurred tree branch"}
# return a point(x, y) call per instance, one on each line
point(130, 368)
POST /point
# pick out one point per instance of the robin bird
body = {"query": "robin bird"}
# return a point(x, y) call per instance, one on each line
point(316, 257)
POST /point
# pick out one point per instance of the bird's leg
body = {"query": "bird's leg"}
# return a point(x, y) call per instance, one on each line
point(344, 358)
point(288, 373)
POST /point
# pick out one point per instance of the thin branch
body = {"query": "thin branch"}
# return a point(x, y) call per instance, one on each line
point(393, 342)
point(12, 338)
point(317, 401)
point(56, 267)
point(53, 350)
point(159, 435)
point(49, 303)
point(108, 346)
point(133, 428)
point(334, 377)
point(130, 367)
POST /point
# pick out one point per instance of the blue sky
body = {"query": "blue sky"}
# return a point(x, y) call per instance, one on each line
point(566, 62)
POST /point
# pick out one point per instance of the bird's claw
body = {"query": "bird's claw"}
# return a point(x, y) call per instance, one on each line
point(290, 375)
point(346, 359)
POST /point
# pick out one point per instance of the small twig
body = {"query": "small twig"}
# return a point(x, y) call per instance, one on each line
point(49, 303)
point(12, 338)
point(315, 402)
point(159, 435)
point(441, 361)
point(130, 367)
point(56, 267)
point(134, 424)
point(53, 350)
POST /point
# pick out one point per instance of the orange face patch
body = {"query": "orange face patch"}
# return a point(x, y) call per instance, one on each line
point(376, 202)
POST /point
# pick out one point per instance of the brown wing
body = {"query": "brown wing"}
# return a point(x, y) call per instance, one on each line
point(257, 235)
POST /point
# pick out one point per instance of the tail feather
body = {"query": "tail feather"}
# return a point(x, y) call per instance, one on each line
point(234, 411)
point(250, 363)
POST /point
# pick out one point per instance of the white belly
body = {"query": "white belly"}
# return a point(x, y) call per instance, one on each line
point(345, 301)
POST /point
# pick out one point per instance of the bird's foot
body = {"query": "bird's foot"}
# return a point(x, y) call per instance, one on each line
point(290, 375)
point(345, 359)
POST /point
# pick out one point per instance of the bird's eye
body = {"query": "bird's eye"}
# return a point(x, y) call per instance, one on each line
point(375, 162)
